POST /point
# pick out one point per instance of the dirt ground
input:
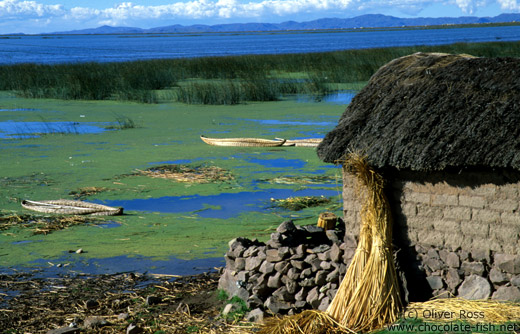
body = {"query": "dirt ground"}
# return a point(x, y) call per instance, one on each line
point(114, 304)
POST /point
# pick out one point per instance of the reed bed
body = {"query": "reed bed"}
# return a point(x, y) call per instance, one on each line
point(242, 78)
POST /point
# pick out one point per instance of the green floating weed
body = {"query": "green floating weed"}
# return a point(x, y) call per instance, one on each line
point(300, 203)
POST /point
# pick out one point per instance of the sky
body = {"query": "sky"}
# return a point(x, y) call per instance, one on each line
point(42, 16)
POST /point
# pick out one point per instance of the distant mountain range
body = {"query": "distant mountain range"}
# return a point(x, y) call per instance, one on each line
point(363, 21)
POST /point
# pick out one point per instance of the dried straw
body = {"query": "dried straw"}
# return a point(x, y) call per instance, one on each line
point(471, 311)
point(368, 297)
point(309, 321)
point(374, 300)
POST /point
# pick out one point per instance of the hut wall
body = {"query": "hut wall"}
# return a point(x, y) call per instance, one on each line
point(449, 226)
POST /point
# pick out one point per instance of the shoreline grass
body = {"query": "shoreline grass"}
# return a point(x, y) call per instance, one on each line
point(219, 80)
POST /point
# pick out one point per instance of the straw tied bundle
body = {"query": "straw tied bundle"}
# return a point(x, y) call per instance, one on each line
point(368, 297)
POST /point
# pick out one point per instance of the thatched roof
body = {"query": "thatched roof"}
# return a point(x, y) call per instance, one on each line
point(432, 112)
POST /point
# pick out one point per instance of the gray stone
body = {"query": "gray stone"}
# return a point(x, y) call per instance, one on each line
point(282, 267)
point(94, 322)
point(133, 329)
point(301, 295)
point(241, 293)
point(452, 279)
point(64, 330)
point(292, 286)
point(333, 236)
point(325, 256)
point(251, 251)
point(283, 294)
point(273, 255)
point(516, 280)
point(308, 282)
point(276, 306)
point(472, 268)
point(324, 304)
point(333, 276)
point(320, 249)
point(474, 287)
point(452, 260)
point(496, 276)
point(228, 282)
point(433, 254)
point(509, 293)
point(335, 253)
point(243, 276)
point(123, 316)
point(321, 277)
point(433, 263)
point(256, 316)
point(266, 267)
point(293, 273)
point(313, 298)
point(435, 282)
point(508, 263)
point(275, 281)
point(325, 265)
point(286, 227)
point(297, 264)
point(253, 263)
point(306, 273)
point(481, 255)
point(240, 264)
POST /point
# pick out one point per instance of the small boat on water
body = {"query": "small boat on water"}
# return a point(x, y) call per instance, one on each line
point(256, 142)
point(71, 207)
point(306, 142)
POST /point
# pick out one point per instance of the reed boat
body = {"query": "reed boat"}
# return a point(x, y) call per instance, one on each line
point(71, 207)
point(256, 142)
point(306, 142)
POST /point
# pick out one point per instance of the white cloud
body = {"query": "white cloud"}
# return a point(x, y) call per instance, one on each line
point(208, 11)
point(28, 9)
point(509, 5)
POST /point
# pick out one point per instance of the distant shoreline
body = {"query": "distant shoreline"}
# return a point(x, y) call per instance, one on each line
point(370, 22)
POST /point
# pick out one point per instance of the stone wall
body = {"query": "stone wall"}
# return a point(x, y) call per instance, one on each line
point(298, 268)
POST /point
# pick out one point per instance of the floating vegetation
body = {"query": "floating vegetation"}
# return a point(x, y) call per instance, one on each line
point(300, 203)
point(316, 179)
point(185, 173)
point(43, 224)
point(86, 191)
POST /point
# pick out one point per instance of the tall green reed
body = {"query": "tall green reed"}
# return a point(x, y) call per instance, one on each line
point(218, 80)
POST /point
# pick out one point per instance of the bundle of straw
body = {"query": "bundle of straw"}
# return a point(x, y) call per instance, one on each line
point(471, 311)
point(375, 300)
point(368, 297)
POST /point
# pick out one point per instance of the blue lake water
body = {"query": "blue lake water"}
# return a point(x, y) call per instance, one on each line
point(111, 48)
point(223, 206)
point(15, 129)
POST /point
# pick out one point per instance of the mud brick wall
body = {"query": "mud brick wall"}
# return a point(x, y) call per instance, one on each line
point(453, 231)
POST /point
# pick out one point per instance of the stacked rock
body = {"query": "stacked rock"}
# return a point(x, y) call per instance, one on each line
point(299, 267)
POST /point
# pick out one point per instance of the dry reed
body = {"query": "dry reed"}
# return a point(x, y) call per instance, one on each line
point(368, 297)
point(375, 300)
point(471, 311)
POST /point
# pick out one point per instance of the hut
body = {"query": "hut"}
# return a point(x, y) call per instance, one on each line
point(444, 131)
